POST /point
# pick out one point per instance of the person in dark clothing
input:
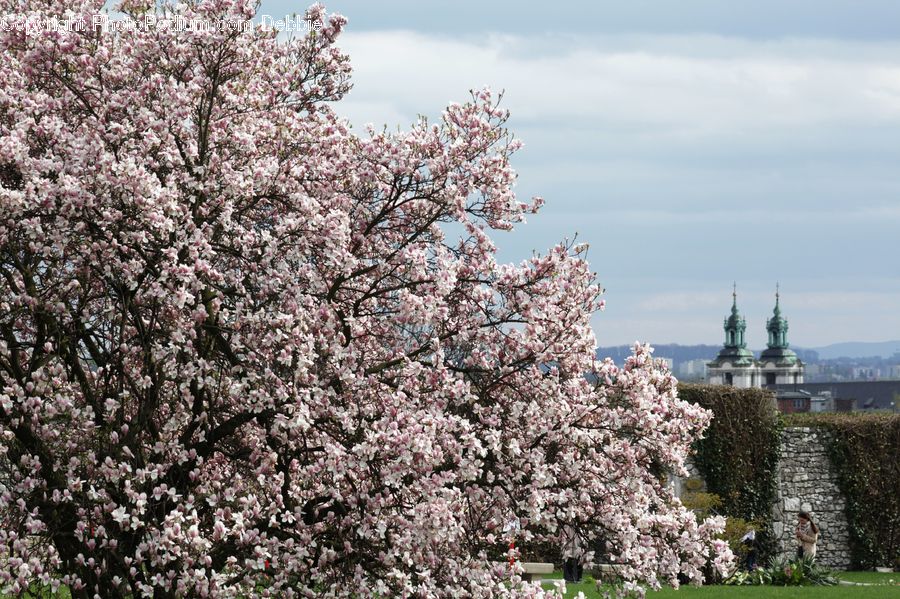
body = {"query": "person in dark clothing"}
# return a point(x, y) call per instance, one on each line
point(749, 543)
point(572, 551)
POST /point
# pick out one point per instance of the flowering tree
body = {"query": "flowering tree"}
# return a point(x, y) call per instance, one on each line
point(241, 355)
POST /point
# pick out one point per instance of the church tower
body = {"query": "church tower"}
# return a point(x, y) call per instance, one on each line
point(778, 363)
point(735, 364)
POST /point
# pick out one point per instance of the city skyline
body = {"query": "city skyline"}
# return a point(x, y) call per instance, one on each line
point(689, 145)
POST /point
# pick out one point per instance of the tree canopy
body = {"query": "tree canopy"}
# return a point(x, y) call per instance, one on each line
point(241, 352)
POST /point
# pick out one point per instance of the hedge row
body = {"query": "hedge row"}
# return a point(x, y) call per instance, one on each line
point(738, 456)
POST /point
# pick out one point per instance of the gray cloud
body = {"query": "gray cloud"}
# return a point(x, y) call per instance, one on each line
point(687, 160)
point(762, 19)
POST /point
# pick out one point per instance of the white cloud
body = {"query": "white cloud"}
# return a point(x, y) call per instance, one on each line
point(677, 85)
point(686, 162)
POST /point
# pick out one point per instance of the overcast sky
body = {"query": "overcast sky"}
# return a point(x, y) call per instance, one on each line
point(691, 143)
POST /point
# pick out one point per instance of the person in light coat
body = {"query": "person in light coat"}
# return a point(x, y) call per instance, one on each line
point(807, 533)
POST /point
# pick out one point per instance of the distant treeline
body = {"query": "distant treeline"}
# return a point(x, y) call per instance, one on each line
point(683, 353)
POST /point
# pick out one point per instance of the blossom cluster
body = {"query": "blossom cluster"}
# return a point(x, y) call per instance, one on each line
point(245, 351)
point(33, 25)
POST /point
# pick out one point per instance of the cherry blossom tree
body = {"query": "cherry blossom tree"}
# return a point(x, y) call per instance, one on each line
point(241, 354)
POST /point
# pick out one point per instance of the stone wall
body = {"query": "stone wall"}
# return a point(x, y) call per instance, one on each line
point(807, 482)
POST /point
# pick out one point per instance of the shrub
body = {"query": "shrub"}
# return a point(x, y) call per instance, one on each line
point(784, 572)
point(800, 572)
point(710, 504)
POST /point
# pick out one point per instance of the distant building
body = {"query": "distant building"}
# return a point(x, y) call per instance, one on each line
point(735, 365)
point(779, 368)
point(670, 363)
point(692, 369)
point(821, 403)
point(778, 364)
point(854, 395)
point(844, 405)
point(790, 402)
point(866, 373)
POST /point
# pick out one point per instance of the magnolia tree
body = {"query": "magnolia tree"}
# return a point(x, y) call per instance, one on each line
point(241, 355)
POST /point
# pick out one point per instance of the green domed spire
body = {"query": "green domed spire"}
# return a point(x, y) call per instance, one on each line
point(735, 350)
point(777, 326)
point(735, 325)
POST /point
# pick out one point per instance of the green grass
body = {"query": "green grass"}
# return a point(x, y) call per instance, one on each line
point(871, 577)
point(881, 589)
point(883, 586)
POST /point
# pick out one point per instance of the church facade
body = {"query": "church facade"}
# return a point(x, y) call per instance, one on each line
point(736, 365)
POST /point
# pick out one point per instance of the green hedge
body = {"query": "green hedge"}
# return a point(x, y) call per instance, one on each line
point(738, 456)
point(865, 451)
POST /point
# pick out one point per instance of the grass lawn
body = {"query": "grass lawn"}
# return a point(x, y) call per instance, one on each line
point(881, 588)
point(871, 577)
